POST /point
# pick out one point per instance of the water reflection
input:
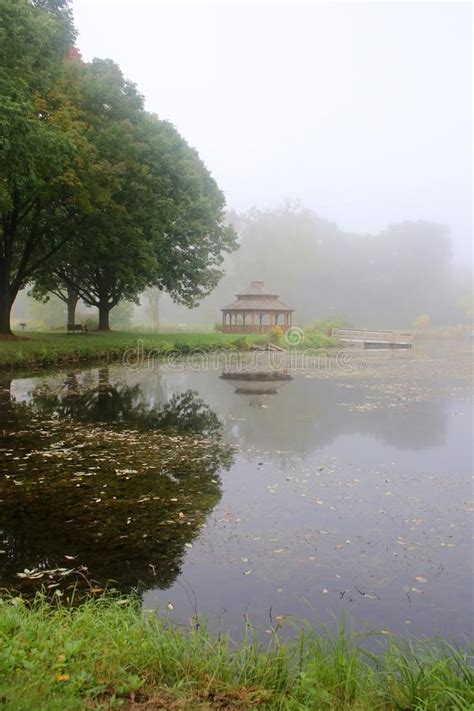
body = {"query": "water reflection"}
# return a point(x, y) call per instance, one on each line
point(366, 488)
point(123, 501)
point(120, 402)
point(312, 413)
point(256, 385)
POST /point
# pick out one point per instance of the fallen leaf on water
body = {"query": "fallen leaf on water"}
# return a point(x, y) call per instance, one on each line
point(247, 572)
point(170, 606)
point(420, 579)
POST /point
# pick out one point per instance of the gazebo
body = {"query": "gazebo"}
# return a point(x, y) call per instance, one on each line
point(255, 311)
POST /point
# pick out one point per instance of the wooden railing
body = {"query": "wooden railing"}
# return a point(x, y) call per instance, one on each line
point(356, 335)
point(248, 328)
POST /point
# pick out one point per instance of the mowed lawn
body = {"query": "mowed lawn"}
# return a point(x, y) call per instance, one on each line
point(35, 348)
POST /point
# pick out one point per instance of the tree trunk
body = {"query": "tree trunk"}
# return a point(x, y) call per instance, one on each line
point(156, 318)
point(153, 295)
point(72, 299)
point(104, 312)
point(6, 303)
point(155, 302)
point(6, 402)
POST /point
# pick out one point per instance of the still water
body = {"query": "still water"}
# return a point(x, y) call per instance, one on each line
point(346, 489)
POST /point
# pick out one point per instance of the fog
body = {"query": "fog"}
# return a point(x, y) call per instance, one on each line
point(340, 134)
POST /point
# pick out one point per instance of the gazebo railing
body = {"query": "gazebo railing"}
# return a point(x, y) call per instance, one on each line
point(248, 328)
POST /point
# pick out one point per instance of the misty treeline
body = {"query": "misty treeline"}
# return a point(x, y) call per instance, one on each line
point(99, 199)
point(383, 280)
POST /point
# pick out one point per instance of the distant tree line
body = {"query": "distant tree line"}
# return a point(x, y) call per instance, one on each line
point(385, 280)
point(99, 199)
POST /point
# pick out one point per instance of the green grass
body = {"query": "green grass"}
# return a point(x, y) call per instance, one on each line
point(56, 348)
point(47, 349)
point(107, 653)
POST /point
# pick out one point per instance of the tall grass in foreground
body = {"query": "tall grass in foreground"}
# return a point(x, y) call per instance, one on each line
point(107, 653)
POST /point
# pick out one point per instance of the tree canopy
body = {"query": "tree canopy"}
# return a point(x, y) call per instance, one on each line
point(98, 198)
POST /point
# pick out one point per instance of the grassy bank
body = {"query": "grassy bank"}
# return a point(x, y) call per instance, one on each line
point(42, 349)
point(56, 348)
point(108, 654)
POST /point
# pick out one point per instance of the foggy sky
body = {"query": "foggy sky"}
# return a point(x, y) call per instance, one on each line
point(361, 111)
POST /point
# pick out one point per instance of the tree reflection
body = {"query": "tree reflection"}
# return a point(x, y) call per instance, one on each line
point(123, 403)
point(125, 501)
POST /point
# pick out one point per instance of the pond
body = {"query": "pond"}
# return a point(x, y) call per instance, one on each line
point(342, 488)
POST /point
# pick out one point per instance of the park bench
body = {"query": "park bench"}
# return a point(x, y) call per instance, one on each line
point(76, 328)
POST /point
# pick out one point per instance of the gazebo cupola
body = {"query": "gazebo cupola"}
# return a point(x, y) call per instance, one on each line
point(256, 311)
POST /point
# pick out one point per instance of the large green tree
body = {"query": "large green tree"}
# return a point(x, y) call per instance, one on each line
point(163, 224)
point(43, 150)
point(98, 199)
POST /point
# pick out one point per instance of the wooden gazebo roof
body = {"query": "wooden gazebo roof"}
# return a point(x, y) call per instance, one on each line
point(256, 298)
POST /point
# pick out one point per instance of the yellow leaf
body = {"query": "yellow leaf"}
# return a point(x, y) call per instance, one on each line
point(62, 677)
point(61, 658)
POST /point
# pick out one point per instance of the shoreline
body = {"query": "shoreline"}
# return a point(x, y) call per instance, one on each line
point(49, 349)
point(108, 653)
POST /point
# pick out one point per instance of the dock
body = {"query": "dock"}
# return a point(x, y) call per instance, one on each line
point(374, 339)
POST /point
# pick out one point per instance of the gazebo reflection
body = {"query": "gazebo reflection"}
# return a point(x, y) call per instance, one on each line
point(257, 386)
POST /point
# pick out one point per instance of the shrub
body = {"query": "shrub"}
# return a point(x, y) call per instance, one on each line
point(242, 343)
point(276, 335)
